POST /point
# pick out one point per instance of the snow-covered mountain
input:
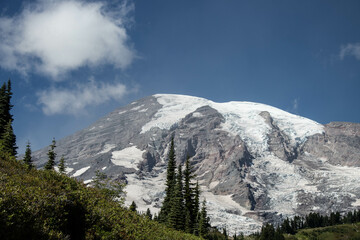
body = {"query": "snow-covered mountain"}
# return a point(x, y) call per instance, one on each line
point(254, 162)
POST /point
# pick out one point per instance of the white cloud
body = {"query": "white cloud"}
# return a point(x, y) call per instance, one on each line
point(351, 49)
point(74, 101)
point(295, 105)
point(54, 37)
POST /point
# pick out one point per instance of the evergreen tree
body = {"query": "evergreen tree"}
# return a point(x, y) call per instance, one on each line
point(51, 156)
point(189, 198)
point(225, 233)
point(8, 140)
point(278, 234)
point(148, 214)
point(62, 167)
point(267, 232)
point(203, 221)
point(176, 218)
point(133, 207)
point(3, 103)
point(7, 136)
point(241, 237)
point(170, 184)
point(196, 208)
point(27, 158)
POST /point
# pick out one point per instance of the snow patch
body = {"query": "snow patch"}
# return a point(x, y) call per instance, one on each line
point(143, 110)
point(103, 168)
point(107, 147)
point(197, 114)
point(356, 203)
point(88, 181)
point(225, 212)
point(121, 112)
point(137, 108)
point(81, 171)
point(147, 192)
point(128, 157)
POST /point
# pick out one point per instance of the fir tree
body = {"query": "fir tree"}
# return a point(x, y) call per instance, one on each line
point(27, 158)
point(190, 212)
point(51, 156)
point(133, 207)
point(176, 218)
point(196, 208)
point(62, 167)
point(7, 136)
point(148, 214)
point(8, 140)
point(225, 233)
point(203, 221)
point(170, 184)
point(3, 103)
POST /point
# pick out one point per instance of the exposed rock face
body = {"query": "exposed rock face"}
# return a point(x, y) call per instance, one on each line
point(255, 163)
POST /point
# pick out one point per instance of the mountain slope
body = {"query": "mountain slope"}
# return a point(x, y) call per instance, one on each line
point(254, 162)
point(46, 205)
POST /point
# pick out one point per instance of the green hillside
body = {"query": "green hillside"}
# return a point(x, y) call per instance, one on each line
point(40, 204)
point(343, 231)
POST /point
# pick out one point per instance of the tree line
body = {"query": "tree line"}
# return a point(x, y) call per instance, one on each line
point(311, 220)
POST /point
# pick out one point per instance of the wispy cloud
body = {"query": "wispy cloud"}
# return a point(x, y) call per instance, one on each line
point(295, 105)
point(54, 37)
point(351, 49)
point(75, 101)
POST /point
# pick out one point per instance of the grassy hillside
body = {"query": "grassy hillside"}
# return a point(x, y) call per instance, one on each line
point(343, 231)
point(37, 204)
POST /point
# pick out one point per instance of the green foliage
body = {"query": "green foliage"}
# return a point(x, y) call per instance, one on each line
point(27, 158)
point(38, 204)
point(133, 207)
point(114, 190)
point(189, 198)
point(343, 231)
point(170, 185)
point(8, 140)
point(7, 136)
point(62, 167)
point(176, 217)
point(148, 214)
point(204, 221)
point(51, 156)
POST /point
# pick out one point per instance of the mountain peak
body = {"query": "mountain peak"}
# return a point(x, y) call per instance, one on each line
point(255, 163)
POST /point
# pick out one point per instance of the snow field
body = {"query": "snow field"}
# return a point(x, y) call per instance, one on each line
point(241, 118)
point(128, 157)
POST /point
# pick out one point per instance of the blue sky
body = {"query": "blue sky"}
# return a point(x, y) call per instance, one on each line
point(71, 62)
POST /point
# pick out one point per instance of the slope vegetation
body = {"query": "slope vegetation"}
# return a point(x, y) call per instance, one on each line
point(38, 204)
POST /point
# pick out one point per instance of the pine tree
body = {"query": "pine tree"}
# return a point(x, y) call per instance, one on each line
point(225, 233)
point(3, 109)
point(190, 212)
point(148, 214)
point(176, 218)
point(203, 221)
point(27, 158)
point(196, 208)
point(7, 136)
point(8, 140)
point(133, 207)
point(62, 167)
point(51, 156)
point(170, 184)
